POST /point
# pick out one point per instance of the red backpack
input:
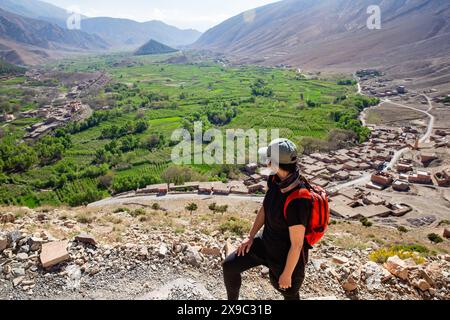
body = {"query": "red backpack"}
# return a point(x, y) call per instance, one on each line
point(320, 215)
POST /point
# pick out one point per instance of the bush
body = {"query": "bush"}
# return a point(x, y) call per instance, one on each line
point(433, 237)
point(366, 223)
point(403, 252)
point(122, 210)
point(84, 218)
point(156, 206)
point(138, 212)
point(191, 207)
point(402, 229)
point(236, 226)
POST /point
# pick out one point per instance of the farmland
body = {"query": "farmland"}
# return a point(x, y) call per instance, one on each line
point(126, 143)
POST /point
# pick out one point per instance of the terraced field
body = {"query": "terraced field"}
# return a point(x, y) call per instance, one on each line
point(166, 97)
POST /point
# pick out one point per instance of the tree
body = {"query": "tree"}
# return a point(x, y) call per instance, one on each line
point(191, 207)
point(141, 127)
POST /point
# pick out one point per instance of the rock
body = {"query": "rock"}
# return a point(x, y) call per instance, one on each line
point(73, 277)
point(163, 250)
point(446, 233)
point(42, 217)
point(350, 284)
point(447, 258)
point(25, 248)
point(22, 256)
point(54, 253)
point(143, 252)
point(17, 281)
point(193, 257)
point(265, 271)
point(421, 284)
point(339, 260)
point(397, 267)
point(35, 243)
point(180, 289)
point(18, 272)
point(86, 238)
point(7, 218)
point(14, 237)
point(211, 252)
point(228, 248)
point(375, 275)
point(3, 243)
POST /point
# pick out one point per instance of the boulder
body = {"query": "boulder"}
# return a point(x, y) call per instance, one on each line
point(421, 284)
point(163, 250)
point(397, 267)
point(446, 233)
point(35, 243)
point(86, 238)
point(339, 260)
point(54, 253)
point(350, 284)
point(211, 252)
point(193, 257)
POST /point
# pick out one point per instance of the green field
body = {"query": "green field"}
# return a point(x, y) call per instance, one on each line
point(109, 154)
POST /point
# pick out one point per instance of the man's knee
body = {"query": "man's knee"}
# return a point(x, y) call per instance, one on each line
point(228, 265)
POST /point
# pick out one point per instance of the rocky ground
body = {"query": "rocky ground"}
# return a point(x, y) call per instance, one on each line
point(135, 253)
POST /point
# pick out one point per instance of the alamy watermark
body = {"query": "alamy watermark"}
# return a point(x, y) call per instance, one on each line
point(214, 146)
point(374, 20)
point(73, 22)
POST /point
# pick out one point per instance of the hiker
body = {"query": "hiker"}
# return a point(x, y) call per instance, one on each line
point(286, 218)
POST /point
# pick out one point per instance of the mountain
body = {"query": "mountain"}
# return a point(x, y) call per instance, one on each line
point(154, 47)
point(27, 41)
point(131, 34)
point(37, 10)
point(332, 34)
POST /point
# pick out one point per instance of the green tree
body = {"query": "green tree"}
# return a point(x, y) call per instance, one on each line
point(191, 207)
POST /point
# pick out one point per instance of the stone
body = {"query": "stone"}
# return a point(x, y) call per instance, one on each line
point(18, 272)
point(265, 271)
point(143, 252)
point(350, 284)
point(22, 256)
point(446, 233)
point(228, 248)
point(86, 238)
point(17, 281)
point(54, 253)
point(73, 277)
point(7, 218)
point(397, 267)
point(375, 275)
point(339, 260)
point(211, 252)
point(35, 243)
point(421, 284)
point(6, 269)
point(163, 250)
point(25, 248)
point(193, 257)
point(14, 237)
point(3, 243)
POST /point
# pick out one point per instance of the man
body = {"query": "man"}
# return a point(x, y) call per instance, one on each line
point(282, 247)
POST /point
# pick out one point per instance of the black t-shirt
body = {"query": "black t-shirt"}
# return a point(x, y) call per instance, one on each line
point(276, 236)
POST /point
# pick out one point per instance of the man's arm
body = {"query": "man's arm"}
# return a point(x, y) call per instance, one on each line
point(257, 225)
point(297, 236)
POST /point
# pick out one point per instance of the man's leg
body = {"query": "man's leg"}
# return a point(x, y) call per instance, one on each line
point(233, 266)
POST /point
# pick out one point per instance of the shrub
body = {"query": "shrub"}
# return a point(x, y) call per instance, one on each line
point(402, 229)
point(433, 237)
point(156, 206)
point(191, 207)
point(84, 218)
point(366, 223)
point(122, 210)
point(415, 252)
point(138, 212)
point(332, 222)
point(236, 226)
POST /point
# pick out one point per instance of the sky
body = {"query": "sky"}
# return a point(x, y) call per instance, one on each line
point(185, 14)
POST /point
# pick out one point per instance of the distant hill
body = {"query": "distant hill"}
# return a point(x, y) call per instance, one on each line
point(333, 34)
point(120, 33)
point(37, 10)
point(154, 47)
point(8, 68)
point(25, 40)
point(132, 34)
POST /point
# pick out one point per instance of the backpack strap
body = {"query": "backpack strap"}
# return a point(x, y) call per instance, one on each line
point(302, 193)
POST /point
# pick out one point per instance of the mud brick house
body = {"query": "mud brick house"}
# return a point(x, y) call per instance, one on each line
point(400, 185)
point(421, 177)
point(443, 178)
point(154, 189)
point(403, 168)
point(383, 179)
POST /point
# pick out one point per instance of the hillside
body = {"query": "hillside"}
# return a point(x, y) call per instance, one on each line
point(8, 68)
point(27, 41)
point(132, 34)
point(154, 47)
point(165, 253)
point(414, 39)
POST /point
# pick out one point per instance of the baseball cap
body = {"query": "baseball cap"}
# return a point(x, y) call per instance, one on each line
point(280, 151)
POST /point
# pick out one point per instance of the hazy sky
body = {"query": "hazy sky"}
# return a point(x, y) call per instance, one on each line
point(197, 14)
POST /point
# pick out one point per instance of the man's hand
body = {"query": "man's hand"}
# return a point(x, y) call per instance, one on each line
point(245, 247)
point(285, 281)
